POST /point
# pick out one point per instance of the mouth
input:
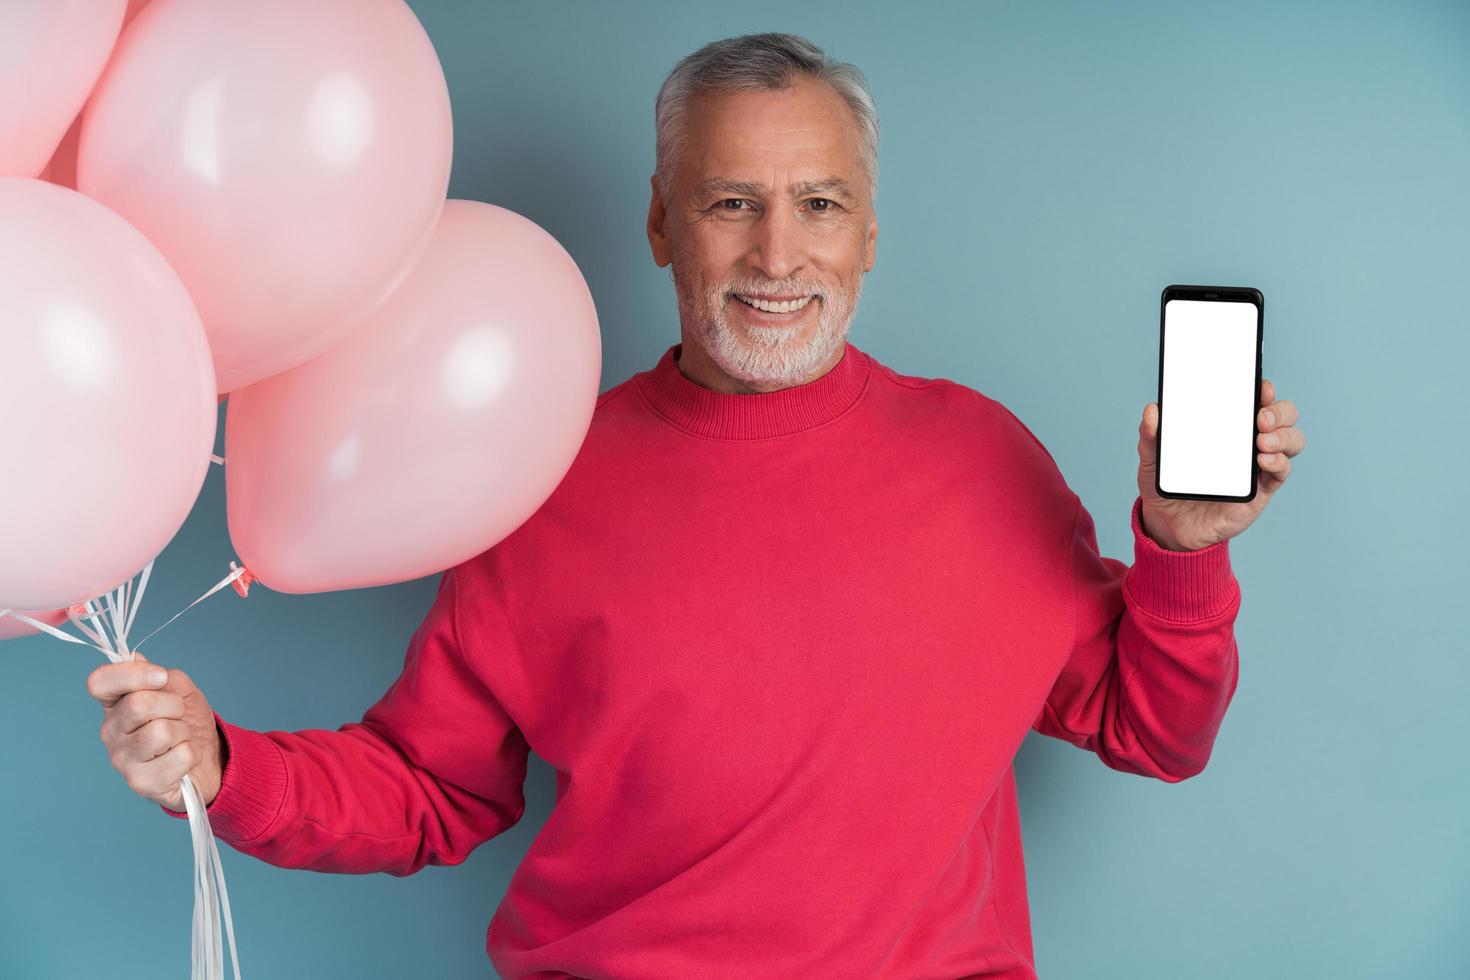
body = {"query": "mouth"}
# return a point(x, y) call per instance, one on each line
point(774, 309)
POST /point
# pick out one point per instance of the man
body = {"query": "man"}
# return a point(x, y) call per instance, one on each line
point(780, 630)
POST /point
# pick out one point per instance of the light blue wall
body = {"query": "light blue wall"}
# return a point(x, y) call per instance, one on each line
point(1046, 169)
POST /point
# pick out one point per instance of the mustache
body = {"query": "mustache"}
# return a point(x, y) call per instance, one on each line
point(748, 288)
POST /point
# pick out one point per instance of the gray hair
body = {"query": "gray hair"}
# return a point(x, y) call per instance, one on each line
point(753, 62)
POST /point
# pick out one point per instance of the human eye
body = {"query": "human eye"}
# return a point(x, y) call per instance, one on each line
point(732, 200)
point(828, 204)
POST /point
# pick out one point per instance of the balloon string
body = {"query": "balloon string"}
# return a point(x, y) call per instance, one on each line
point(95, 631)
point(142, 587)
point(109, 632)
point(238, 572)
point(101, 641)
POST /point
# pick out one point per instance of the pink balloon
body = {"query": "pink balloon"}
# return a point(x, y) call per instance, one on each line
point(134, 6)
point(105, 388)
point(289, 159)
point(51, 52)
point(435, 430)
point(62, 168)
point(11, 628)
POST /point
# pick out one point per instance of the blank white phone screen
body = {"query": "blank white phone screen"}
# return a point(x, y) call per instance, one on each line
point(1207, 409)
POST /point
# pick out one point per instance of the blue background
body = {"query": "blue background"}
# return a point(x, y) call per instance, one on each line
point(1046, 169)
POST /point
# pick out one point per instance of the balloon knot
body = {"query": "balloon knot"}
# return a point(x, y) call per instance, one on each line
point(76, 611)
point(242, 584)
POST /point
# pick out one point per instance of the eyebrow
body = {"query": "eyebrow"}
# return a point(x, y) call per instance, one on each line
point(748, 188)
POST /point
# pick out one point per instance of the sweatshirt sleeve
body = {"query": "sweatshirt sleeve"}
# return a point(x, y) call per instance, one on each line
point(434, 769)
point(1153, 662)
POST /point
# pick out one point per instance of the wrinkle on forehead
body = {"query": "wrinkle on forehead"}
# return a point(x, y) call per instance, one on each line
point(805, 128)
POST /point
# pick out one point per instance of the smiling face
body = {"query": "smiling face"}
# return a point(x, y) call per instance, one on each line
point(770, 229)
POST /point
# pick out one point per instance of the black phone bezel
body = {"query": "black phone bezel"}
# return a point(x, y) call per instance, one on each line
point(1220, 294)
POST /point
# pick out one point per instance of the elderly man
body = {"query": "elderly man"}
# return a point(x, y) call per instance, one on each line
point(780, 630)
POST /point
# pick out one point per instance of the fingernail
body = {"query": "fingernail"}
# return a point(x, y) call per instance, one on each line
point(157, 677)
point(1270, 417)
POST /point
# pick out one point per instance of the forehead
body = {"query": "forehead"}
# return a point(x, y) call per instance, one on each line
point(805, 129)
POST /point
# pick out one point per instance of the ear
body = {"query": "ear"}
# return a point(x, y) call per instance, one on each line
point(658, 240)
point(870, 247)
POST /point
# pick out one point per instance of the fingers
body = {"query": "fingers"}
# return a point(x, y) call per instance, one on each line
point(148, 743)
point(110, 682)
point(138, 709)
point(146, 728)
point(1279, 438)
point(1289, 440)
point(1278, 414)
point(158, 778)
point(1275, 468)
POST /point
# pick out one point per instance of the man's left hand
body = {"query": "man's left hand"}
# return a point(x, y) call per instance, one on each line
point(1188, 525)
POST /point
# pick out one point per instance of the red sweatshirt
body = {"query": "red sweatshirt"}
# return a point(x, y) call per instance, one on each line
point(780, 650)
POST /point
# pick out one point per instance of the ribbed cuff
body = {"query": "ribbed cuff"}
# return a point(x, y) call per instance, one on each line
point(252, 786)
point(1183, 586)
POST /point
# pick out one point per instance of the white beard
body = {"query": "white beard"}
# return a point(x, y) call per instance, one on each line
point(771, 356)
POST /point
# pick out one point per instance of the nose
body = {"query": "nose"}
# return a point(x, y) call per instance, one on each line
point(779, 246)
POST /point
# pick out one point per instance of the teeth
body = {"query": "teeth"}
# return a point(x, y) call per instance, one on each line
point(789, 306)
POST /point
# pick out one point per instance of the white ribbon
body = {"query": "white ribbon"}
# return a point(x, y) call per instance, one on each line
point(108, 632)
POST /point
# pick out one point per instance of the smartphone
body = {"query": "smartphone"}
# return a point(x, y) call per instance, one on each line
point(1210, 341)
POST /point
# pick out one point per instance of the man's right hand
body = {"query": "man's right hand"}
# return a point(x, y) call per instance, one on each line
point(156, 733)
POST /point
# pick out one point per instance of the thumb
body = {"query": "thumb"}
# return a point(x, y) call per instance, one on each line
point(1148, 431)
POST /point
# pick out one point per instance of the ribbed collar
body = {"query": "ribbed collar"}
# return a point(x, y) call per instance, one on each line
point(705, 412)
